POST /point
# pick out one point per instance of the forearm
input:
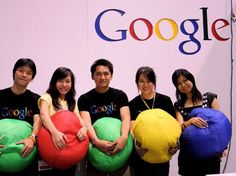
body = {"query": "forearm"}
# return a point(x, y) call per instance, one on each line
point(92, 134)
point(125, 129)
point(186, 124)
point(37, 124)
point(126, 123)
point(47, 123)
point(80, 119)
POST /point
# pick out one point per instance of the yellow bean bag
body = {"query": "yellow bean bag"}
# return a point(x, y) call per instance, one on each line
point(157, 131)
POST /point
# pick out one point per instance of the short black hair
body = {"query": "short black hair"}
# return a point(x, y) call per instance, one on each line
point(102, 62)
point(23, 62)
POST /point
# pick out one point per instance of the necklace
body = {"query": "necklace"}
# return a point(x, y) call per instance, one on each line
point(153, 101)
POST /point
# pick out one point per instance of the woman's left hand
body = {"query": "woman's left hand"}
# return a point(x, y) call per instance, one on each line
point(138, 146)
point(199, 122)
point(82, 133)
point(174, 149)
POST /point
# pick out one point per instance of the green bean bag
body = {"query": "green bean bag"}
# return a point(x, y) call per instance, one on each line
point(12, 131)
point(108, 128)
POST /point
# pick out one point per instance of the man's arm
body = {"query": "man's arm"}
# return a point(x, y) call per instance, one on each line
point(103, 145)
point(30, 141)
point(125, 129)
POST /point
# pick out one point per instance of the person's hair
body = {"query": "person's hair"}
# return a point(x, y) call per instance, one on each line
point(147, 72)
point(102, 62)
point(23, 62)
point(61, 73)
point(181, 97)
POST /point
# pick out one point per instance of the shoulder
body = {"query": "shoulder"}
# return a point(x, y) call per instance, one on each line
point(46, 97)
point(208, 98)
point(117, 91)
point(135, 99)
point(33, 94)
point(6, 90)
point(87, 94)
point(163, 96)
point(178, 106)
point(210, 95)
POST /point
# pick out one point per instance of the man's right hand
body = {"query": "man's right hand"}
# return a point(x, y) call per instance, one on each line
point(105, 146)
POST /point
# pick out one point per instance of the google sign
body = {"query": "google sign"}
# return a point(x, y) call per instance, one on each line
point(215, 26)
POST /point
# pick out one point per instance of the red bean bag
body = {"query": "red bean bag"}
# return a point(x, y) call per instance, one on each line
point(68, 123)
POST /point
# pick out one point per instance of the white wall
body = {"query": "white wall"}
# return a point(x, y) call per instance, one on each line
point(62, 33)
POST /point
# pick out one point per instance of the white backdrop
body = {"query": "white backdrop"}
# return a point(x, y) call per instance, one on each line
point(62, 33)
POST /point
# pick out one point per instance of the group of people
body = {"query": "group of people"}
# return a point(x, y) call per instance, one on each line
point(60, 95)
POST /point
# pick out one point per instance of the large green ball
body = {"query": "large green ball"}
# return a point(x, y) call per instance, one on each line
point(12, 131)
point(108, 128)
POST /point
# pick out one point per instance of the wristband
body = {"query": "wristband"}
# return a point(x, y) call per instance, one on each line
point(32, 138)
point(33, 135)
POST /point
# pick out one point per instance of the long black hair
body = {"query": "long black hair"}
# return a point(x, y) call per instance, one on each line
point(61, 73)
point(181, 97)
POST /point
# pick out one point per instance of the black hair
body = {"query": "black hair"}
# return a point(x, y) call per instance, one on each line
point(148, 72)
point(61, 73)
point(102, 62)
point(23, 62)
point(181, 97)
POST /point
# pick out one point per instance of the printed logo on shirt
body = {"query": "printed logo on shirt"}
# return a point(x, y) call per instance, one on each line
point(108, 109)
point(20, 113)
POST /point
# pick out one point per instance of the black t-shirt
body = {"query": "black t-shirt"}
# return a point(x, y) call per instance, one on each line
point(187, 164)
point(161, 101)
point(141, 167)
point(22, 107)
point(206, 103)
point(100, 105)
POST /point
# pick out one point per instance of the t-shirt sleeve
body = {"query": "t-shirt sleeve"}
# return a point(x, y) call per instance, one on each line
point(133, 110)
point(210, 97)
point(82, 103)
point(76, 110)
point(171, 109)
point(46, 97)
point(177, 106)
point(123, 99)
point(35, 107)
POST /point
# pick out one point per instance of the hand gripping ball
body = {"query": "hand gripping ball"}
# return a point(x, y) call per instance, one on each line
point(157, 131)
point(204, 143)
point(13, 131)
point(108, 128)
point(68, 123)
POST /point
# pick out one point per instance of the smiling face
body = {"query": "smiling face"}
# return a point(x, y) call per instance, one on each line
point(23, 75)
point(102, 78)
point(145, 86)
point(184, 85)
point(63, 86)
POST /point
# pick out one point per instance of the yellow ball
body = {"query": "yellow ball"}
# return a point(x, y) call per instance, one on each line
point(157, 131)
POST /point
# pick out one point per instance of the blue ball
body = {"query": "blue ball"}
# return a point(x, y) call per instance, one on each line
point(205, 143)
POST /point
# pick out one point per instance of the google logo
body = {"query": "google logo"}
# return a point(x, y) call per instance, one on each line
point(216, 25)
